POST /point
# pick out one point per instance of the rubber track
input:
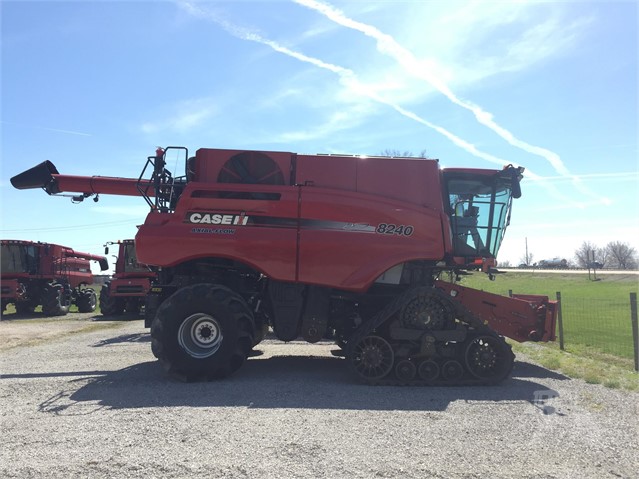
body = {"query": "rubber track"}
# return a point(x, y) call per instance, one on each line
point(396, 305)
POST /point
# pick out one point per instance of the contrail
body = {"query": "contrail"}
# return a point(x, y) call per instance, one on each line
point(388, 45)
point(349, 79)
point(57, 130)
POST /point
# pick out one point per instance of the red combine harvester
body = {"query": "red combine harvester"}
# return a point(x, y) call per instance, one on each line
point(317, 246)
point(129, 285)
point(47, 274)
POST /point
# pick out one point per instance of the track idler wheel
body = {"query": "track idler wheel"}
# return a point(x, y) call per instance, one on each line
point(405, 370)
point(488, 358)
point(372, 358)
point(452, 370)
point(428, 370)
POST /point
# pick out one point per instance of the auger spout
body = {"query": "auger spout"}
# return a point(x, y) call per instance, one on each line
point(46, 176)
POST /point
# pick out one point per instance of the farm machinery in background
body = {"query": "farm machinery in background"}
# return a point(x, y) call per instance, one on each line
point(316, 246)
point(554, 263)
point(47, 274)
point(128, 287)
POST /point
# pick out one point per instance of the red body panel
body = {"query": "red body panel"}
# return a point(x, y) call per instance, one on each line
point(323, 231)
point(10, 289)
point(129, 287)
point(337, 242)
point(272, 251)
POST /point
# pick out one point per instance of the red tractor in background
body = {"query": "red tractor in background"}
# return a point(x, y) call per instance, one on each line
point(312, 246)
point(129, 285)
point(47, 274)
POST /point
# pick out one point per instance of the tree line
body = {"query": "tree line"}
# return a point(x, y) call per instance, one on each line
point(614, 255)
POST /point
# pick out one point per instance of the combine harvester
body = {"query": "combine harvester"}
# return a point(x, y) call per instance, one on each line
point(129, 285)
point(315, 246)
point(47, 274)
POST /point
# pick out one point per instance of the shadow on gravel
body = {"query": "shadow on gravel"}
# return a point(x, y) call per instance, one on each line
point(125, 338)
point(275, 383)
point(527, 370)
point(118, 317)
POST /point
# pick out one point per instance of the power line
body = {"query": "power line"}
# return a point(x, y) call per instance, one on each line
point(75, 227)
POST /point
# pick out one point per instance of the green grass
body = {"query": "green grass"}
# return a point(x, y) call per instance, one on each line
point(592, 368)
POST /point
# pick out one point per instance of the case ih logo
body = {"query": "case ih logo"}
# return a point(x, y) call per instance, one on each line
point(217, 219)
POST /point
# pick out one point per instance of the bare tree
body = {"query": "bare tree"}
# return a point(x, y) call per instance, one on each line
point(527, 259)
point(621, 255)
point(402, 154)
point(588, 253)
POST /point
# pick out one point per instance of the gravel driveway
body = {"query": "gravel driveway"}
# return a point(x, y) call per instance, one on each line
point(94, 403)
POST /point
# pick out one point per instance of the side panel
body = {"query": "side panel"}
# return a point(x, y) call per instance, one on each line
point(261, 233)
point(9, 288)
point(347, 240)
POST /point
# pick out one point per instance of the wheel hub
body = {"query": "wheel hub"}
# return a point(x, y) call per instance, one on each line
point(200, 335)
point(483, 357)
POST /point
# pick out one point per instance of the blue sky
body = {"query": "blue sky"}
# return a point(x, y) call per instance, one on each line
point(551, 86)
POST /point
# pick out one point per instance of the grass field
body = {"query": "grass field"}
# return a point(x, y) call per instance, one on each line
point(596, 314)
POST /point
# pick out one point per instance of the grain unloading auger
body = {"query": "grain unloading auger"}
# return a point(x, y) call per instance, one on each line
point(324, 246)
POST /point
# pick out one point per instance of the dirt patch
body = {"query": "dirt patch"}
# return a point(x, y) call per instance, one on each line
point(21, 330)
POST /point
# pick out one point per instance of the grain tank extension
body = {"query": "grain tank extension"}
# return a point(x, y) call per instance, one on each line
point(323, 246)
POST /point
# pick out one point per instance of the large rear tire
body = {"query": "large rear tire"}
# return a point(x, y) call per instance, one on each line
point(87, 300)
point(202, 331)
point(110, 306)
point(55, 302)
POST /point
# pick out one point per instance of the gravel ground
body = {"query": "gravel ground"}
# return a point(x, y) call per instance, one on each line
point(94, 403)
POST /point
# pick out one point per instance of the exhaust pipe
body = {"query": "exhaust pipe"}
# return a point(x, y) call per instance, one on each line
point(40, 176)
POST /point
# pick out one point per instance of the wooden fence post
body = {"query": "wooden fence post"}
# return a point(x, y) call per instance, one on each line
point(635, 328)
point(561, 322)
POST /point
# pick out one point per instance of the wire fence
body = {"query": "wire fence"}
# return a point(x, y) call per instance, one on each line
point(600, 325)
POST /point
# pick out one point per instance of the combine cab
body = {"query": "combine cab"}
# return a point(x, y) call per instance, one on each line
point(316, 246)
point(47, 274)
point(129, 285)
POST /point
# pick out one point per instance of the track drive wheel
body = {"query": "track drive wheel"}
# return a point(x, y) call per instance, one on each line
point(55, 302)
point(87, 300)
point(202, 331)
point(109, 305)
point(488, 358)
